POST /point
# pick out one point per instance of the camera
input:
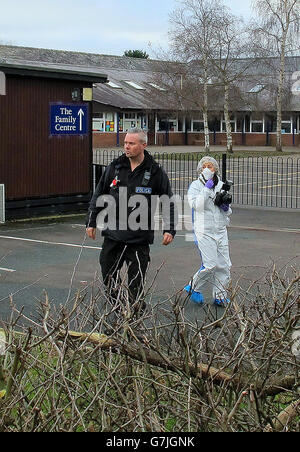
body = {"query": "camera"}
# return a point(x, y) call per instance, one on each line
point(223, 196)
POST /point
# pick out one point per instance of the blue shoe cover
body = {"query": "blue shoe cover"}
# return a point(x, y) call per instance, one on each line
point(196, 297)
point(222, 301)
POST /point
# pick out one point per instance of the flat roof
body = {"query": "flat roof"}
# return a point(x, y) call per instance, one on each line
point(37, 69)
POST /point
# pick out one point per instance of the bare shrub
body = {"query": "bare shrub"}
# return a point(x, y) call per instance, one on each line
point(163, 369)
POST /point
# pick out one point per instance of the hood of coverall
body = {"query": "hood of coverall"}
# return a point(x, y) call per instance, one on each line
point(208, 159)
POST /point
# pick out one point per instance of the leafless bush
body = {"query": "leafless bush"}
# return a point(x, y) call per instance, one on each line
point(165, 369)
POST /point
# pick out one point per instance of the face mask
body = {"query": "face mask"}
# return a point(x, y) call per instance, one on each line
point(207, 174)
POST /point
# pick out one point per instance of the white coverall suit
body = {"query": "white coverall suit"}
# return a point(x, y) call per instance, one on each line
point(210, 231)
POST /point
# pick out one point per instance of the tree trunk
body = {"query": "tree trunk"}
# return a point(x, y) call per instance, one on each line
point(140, 352)
point(227, 118)
point(205, 118)
point(279, 96)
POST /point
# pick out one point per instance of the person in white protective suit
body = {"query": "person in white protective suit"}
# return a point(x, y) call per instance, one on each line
point(210, 230)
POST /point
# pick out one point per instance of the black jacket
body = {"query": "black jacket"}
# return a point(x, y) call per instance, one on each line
point(122, 184)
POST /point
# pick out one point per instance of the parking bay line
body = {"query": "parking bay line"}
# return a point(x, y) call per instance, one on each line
point(10, 270)
point(266, 229)
point(253, 228)
point(50, 243)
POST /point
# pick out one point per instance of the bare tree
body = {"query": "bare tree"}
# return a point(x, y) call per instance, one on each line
point(228, 60)
point(277, 33)
point(212, 42)
point(192, 39)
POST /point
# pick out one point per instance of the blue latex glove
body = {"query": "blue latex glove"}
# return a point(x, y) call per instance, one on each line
point(224, 207)
point(209, 183)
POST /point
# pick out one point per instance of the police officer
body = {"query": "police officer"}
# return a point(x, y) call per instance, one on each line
point(132, 181)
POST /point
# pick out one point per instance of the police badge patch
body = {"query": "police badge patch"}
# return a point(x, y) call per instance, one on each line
point(143, 190)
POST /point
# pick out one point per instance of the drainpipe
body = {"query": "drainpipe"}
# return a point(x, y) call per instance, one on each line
point(244, 131)
point(268, 134)
point(118, 129)
point(294, 129)
point(215, 133)
point(167, 132)
point(185, 132)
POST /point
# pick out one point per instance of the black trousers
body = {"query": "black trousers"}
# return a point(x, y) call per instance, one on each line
point(112, 257)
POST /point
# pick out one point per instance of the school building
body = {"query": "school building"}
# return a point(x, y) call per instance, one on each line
point(57, 106)
point(133, 96)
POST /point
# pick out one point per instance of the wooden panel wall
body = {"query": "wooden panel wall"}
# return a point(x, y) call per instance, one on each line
point(32, 163)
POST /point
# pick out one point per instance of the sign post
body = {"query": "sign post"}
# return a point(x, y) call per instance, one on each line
point(69, 119)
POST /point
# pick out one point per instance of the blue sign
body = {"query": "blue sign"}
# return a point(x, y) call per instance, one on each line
point(68, 119)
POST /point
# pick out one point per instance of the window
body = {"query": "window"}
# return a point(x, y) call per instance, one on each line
point(257, 127)
point(256, 89)
point(188, 124)
point(109, 122)
point(131, 120)
point(232, 122)
point(133, 84)
point(103, 122)
point(214, 125)
point(270, 123)
point(257, 123)
point(130, 115)
point(198, 126)
point(113, 85)
point(286, 127)
point(180, 123)
point(167, 124)
point(98, 122)
point(154, 85)
point(109, 116)
point(239, 125)
point(173, 125)
point(98, 125)
point(197, 123)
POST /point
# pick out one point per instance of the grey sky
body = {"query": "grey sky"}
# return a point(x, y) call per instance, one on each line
point(98, 26)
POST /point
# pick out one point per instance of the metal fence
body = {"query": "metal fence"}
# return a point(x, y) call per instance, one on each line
point(258, 181)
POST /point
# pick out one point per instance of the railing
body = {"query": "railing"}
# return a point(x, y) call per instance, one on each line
point(258, 181)
point(266, 181)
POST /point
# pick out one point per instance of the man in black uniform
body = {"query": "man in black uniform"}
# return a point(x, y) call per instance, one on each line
point(131, 181)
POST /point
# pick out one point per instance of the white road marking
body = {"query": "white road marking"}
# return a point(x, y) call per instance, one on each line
point(261, 229)
point(267, 229)
point(50, 243)
point(3, 269)
point(187, 221)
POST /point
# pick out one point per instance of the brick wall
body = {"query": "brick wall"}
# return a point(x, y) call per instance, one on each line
point(175, 139)
point(102, 140)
